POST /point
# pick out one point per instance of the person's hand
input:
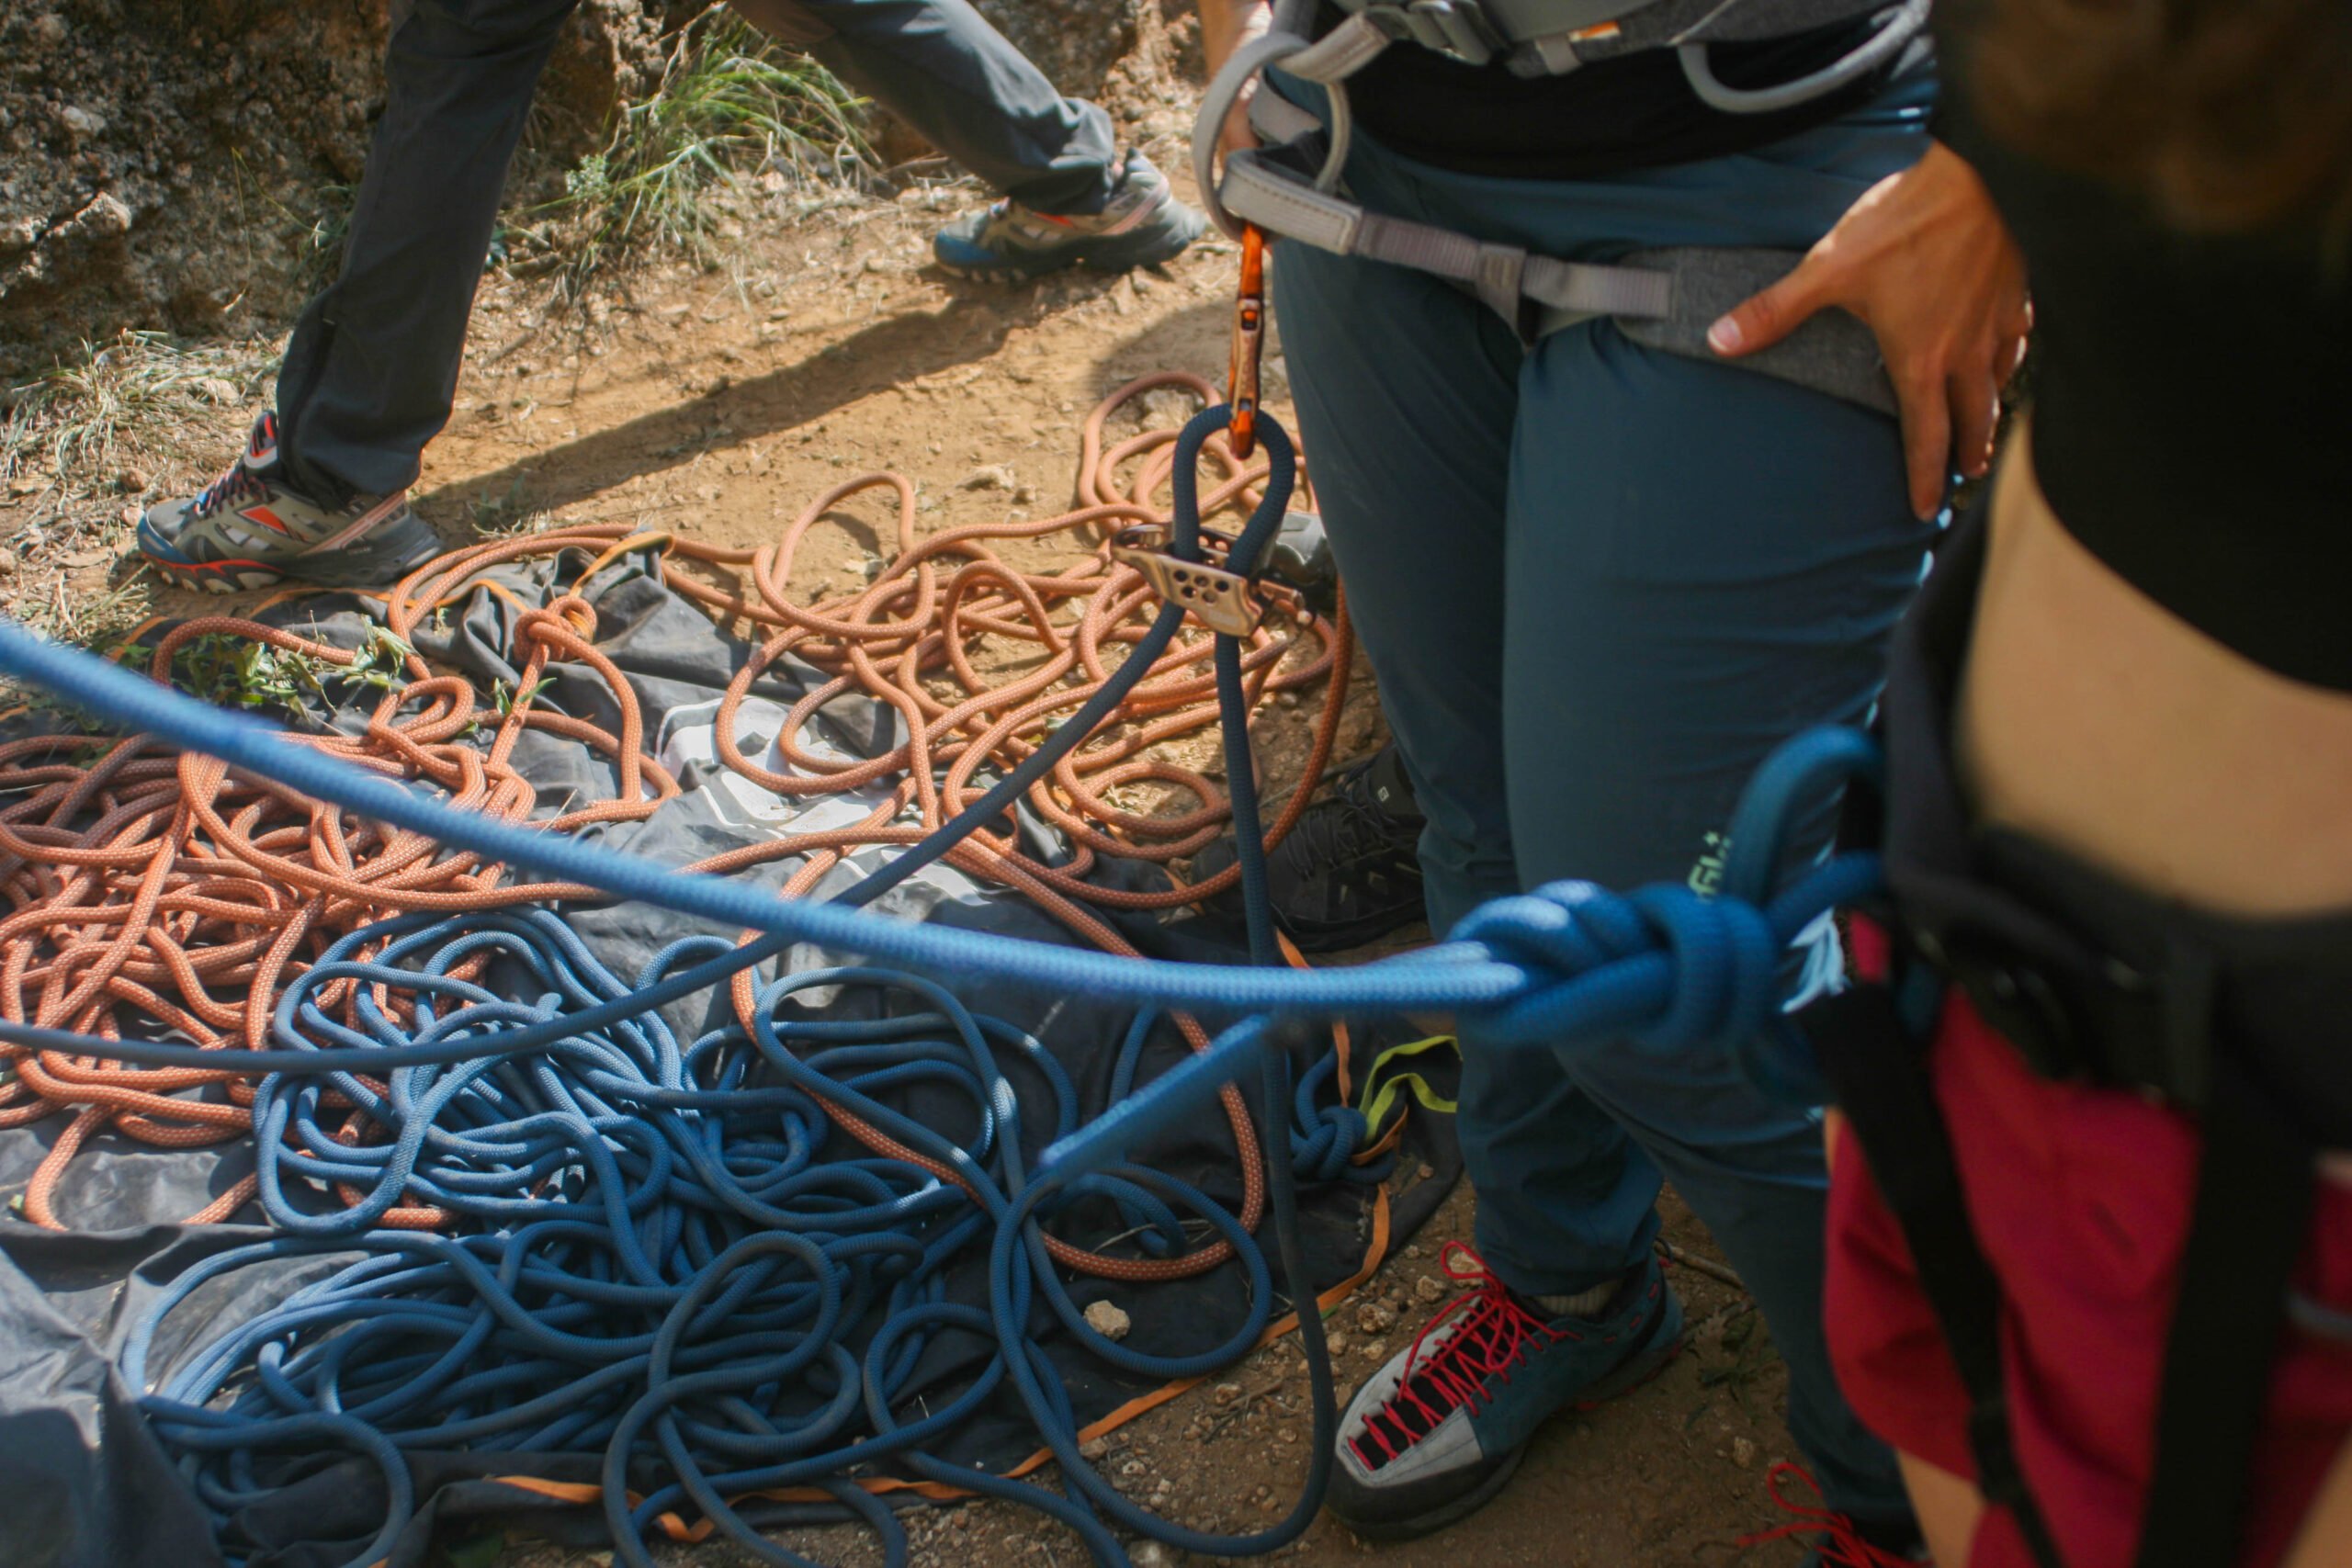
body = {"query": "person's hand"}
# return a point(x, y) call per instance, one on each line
point(1924, 259)
point(1225, 26)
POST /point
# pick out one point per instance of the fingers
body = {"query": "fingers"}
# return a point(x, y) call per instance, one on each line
point(1236, 134)
point(1926, 441)
point(1763, 319)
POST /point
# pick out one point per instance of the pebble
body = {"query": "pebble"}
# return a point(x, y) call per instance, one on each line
point(8, 563)
point(1743, 1453)
point(1428, 1289)
point(1338, 1343)
point(1133, 1468)
point(1374, 1317)
point(49, 30)
point(1108, 1321)
point(1226, 1393)
point(80, 121)
point(994, 476)
point(1093, 1449)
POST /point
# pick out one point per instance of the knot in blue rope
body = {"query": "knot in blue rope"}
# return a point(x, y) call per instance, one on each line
point(1663, 964)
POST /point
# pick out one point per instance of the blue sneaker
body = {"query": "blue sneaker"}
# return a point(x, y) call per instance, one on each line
point(1141, 225)
point(1440, 1429)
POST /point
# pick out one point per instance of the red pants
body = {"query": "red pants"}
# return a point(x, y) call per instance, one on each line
point(2081, 1200)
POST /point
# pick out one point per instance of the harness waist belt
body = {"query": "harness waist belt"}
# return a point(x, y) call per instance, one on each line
point(1664, 299)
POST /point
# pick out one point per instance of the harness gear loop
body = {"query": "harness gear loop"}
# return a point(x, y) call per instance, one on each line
point(1248, 344)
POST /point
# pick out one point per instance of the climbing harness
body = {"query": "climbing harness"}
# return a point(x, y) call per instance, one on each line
point(2138, 999)
point(1664, 297)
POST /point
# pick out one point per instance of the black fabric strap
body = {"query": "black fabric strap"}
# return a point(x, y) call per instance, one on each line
point(1875, 1068)
point(2253, 1210)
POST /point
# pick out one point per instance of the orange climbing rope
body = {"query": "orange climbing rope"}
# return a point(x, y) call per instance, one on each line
point(153, 889)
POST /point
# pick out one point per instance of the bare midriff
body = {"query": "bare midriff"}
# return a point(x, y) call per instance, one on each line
point(2095, 721)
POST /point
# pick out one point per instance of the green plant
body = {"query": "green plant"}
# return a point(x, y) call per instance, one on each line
point(234, 671)
point(728, 101)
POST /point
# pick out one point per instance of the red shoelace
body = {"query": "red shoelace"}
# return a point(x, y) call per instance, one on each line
point(1490, 1335)
point(1842, 1545)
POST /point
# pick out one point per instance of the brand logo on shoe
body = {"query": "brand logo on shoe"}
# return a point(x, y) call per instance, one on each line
point(266, 517)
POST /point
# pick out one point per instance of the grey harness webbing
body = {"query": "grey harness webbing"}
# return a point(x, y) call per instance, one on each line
point(1664, 299)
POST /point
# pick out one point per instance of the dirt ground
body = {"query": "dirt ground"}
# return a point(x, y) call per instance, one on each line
point(719, 403)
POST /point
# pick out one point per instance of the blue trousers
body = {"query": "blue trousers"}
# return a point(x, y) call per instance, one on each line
point(1598, 584)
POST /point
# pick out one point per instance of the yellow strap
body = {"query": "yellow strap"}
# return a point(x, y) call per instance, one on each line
point(1382, 1090)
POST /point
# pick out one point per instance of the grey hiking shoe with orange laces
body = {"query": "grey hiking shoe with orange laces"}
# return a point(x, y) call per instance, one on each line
point(1141, 225)
point(1438, 1430)
point(249, 529)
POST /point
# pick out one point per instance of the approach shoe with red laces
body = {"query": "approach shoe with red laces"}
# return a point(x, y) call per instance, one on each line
point(1840, 1540)
point(1439, 1429)
point(1142, 224)
point(248, 529)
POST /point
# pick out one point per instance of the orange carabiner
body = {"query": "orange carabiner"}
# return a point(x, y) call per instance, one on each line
point(1248, 344)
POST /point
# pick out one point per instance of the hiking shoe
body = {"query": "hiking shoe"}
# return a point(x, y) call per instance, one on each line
point(246, 529)
point(1439, 1429)
point(1351, 872)
point(1142, 224)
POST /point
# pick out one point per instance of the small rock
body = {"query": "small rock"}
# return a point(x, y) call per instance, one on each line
point(1375, 1318)
point(1134, 1468)
point(1427, 1173)
point(1108, 1321)
point(18, 234)
point(136, 480)
point(1338, 1343)
point(1226, 1393)
point(8, 563)
point(218, 389)
point(104, 218)
point(1093, 1449)
point(1428, 1289)
point(1023, 495)
point(49, 30)
point(1743, 1453)
point(995, 476)
point(1151, 1554)
point(80, 121)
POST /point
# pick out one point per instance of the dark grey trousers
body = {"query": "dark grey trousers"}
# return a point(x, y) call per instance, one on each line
point(371, 369)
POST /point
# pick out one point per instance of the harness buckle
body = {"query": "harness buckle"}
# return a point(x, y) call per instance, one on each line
point(1248, 344)
point(1224, 602)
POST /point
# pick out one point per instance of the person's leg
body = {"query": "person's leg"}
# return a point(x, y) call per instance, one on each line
point(372, 366)
point(1701, 562)
point(1408, 426)
point(940, 66)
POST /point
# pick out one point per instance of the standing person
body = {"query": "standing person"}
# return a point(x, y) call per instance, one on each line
point(1599, 582)
point(371, 370)
point(2119, 735)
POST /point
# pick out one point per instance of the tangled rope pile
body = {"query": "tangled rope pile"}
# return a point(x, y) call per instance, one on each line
point(733, 1372)
point(154, 891)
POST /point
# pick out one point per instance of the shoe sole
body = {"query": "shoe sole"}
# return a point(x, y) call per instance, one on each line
point(1638, 1369)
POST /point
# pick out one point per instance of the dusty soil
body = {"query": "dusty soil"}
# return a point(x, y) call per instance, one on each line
point(720, 403)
